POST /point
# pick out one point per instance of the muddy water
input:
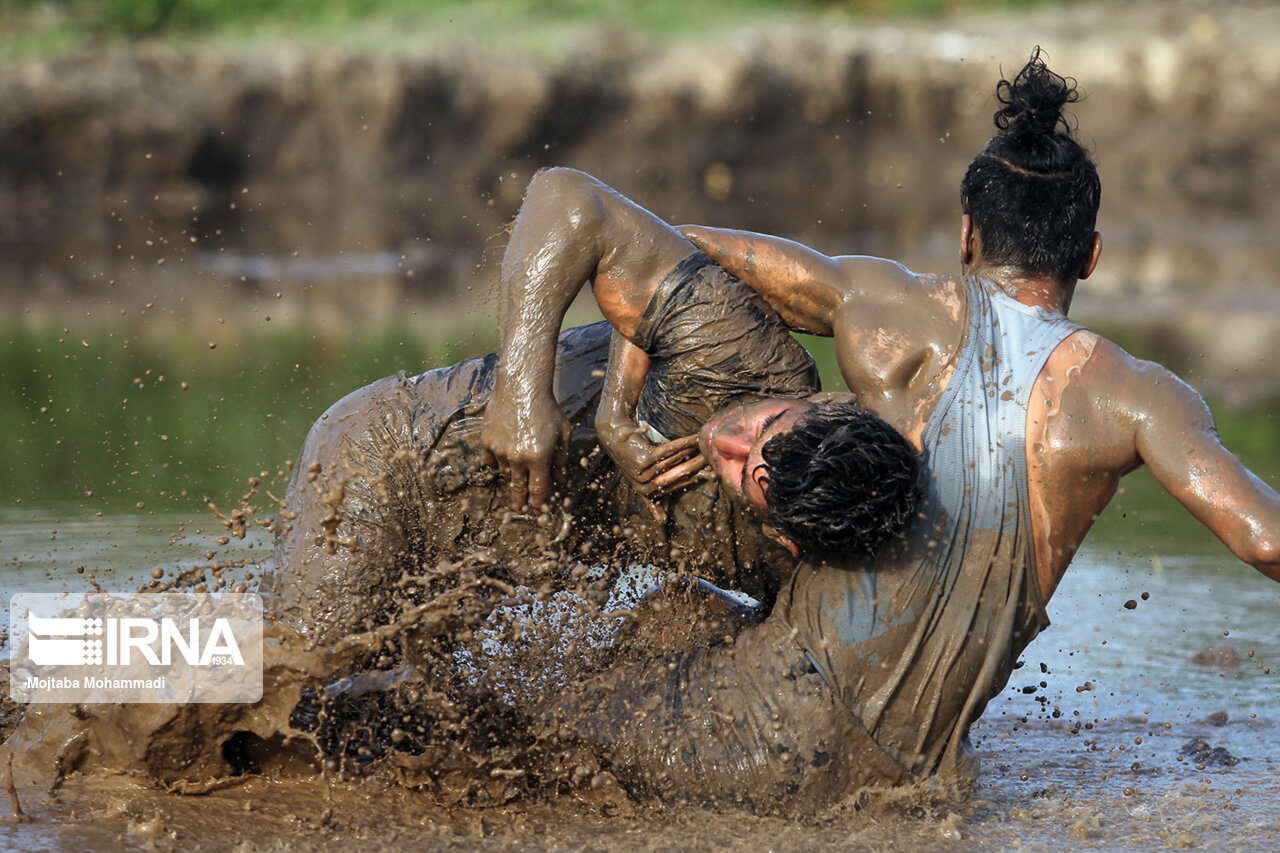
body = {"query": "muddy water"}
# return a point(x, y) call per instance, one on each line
point(1146, 715)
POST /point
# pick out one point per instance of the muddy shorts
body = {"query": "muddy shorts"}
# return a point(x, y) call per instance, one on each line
point(713, 343)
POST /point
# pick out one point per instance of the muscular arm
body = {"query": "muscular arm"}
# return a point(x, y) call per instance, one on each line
point(1177, 439)
point(807, 288)
point(894, 331)
point(653, 470)
point(571, 229)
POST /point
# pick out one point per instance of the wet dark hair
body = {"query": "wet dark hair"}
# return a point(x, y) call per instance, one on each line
point(841, 481)
point(1033, 192)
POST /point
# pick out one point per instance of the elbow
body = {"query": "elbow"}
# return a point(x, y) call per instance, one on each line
point(1263, 553)
point(696, 234)
point(712, 242)
point(565, 196)
point(560, 183)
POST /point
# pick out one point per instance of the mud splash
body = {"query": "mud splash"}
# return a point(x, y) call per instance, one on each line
point(1044, 785)
point(441, 700)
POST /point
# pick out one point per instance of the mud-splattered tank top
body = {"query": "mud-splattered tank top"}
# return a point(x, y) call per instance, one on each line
point(917, 642)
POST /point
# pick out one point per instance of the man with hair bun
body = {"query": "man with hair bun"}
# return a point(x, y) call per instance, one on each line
point(1026, 422)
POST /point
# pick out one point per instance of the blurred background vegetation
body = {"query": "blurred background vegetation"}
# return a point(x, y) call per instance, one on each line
point(149, 16)
point(63, 23)
point(121, 421)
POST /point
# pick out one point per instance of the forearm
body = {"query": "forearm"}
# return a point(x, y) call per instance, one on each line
point(623, 383)
point(571, 230)
point(529, 324)
point(616, 428)
point(1254, 535)
point(651, 469)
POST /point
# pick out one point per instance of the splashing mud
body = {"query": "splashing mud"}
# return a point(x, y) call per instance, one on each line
point(425, 730)
point(452, 697)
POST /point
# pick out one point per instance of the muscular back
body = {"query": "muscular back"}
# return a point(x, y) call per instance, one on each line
point(1096, 412)
point(1080, 442)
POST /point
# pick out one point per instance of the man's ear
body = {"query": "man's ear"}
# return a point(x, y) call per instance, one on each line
point(967, 248)
point(1091, 261)
point(781, 538)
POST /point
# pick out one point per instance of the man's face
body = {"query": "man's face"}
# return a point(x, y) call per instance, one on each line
point(733, 439)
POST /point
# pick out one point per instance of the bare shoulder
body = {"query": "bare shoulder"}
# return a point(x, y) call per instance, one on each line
point(870, 283)
point(866, 275)
point(897, 336)
point(1129, 389)
point(1126, 369)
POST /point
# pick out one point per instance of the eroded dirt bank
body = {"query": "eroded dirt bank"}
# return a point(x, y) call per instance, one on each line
point(849, 137)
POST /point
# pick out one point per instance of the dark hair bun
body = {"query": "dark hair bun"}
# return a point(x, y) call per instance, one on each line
point(1033, 102)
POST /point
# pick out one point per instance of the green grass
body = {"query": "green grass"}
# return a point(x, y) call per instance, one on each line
point(44, 26)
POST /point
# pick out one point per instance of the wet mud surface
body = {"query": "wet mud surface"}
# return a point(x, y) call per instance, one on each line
point(1043, 789)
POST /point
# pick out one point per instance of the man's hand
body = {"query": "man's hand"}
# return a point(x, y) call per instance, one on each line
point(526, 439)
point(654, 470)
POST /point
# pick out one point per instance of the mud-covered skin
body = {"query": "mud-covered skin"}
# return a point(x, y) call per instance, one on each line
point(909, 643)
point(918, 638)
point(387, 485)
point(571, 230)
point(403, 473)
point(391, 482)
point(898, 338)
point(1093, 414)
point(1096, 412)
point(703, 332)
point(747, 722)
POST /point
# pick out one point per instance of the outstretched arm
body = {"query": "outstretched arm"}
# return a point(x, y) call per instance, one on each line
point(1179, 442)
point(807, 288)
point(571, 229)
point(894, 331)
